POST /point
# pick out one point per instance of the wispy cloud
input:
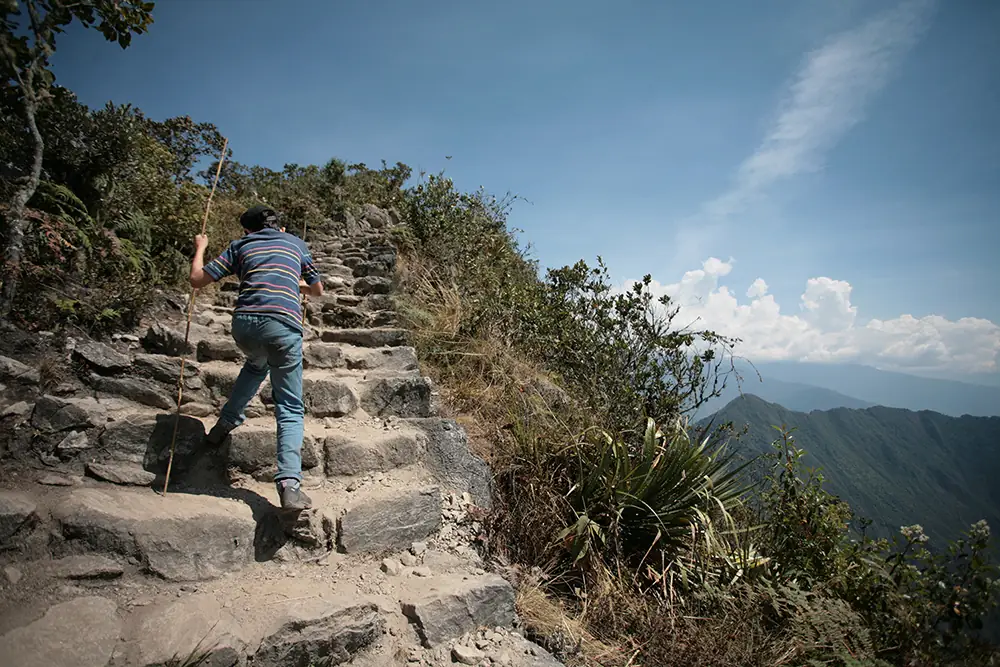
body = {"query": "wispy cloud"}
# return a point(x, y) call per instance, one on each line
point(824, 100)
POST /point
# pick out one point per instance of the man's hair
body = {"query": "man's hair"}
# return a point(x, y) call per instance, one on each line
point(258, 217)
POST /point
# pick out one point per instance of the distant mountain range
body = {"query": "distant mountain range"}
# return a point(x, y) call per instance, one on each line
point(809, 386)
point(894, 466)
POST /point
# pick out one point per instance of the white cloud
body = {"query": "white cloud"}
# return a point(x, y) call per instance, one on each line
point(825, 328)
point(758, 288)
point(823, 101)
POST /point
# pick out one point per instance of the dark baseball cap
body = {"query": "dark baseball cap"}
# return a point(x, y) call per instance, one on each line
point(258, 217)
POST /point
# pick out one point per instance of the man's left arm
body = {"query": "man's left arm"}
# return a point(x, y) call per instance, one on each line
point(311, 282)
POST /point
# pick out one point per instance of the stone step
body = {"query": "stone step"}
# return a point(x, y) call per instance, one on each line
point(319, 354)
point(348, 448)
point(180, 537)
point(326, 395)
point(381, 337)
point(87, 631)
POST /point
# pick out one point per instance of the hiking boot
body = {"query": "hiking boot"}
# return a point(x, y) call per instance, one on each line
point(292, 496)
point(219, 433)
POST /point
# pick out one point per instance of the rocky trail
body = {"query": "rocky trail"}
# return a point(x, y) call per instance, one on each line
point(100, 569)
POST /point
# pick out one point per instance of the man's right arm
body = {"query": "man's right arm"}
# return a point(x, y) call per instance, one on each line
point(199, 277)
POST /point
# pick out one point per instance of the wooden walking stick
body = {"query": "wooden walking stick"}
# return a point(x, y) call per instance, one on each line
point(187, 329)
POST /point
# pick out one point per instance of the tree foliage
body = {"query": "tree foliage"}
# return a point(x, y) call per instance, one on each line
point(27, 42)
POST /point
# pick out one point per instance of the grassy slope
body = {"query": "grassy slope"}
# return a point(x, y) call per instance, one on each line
point(894, 466)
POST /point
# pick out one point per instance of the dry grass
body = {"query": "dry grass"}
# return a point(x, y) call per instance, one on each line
point(520, 421)
point(547, 618)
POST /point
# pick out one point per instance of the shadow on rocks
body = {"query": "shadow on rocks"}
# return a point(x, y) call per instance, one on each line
point(200, 469)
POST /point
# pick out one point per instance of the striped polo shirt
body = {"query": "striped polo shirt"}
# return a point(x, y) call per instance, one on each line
point(269, 264)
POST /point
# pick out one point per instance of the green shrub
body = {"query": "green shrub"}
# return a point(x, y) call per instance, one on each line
point(632, 501)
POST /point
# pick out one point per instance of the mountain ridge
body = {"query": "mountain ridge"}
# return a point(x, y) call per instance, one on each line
point(892, 465)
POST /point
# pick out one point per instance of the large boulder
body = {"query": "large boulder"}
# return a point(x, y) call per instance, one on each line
point(180, 538)
point(128, 474)
point(402, 359)
point(79, 633)
point(86, 566)
point(344, 316)
point(219, 349)
point(319, 632)
point(449, 606)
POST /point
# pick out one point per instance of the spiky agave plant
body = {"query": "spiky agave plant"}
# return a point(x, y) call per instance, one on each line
point(633, 501)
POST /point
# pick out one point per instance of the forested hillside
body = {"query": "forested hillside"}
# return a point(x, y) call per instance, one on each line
point(893, 466)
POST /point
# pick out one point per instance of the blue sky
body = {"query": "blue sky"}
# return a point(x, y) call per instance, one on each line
point(853, 143)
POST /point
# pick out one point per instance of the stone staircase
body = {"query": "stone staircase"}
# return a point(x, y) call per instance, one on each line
point(101, 569)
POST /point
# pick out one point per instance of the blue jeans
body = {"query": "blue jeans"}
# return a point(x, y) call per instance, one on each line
point(271, 345)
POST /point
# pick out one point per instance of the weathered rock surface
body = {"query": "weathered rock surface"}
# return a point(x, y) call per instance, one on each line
point(197, 409)
point(195, 625)
point(219, 349)
point(398, 396)
point(398, 359)
point(371, 451)
point(322, 355)
point(328, 398)
point(86, 566)
point(391, 522)
point(53, 479)
point(467, 655)
point(367, 337)
point(121, 473)
point(146, 440)
point(180, 538)
point(335, 315)
point(57, 414)
point(372, 285)
point(447, 455)
point(79, 633)
point(12, 370)
point(74, 442)
point(449, 606)
point(164, 369)
point(17, 512)
point(319, 632)
point(133, 389)
point(102, 358)
point(19, 409)
point(252, 448)
point(160, 339)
